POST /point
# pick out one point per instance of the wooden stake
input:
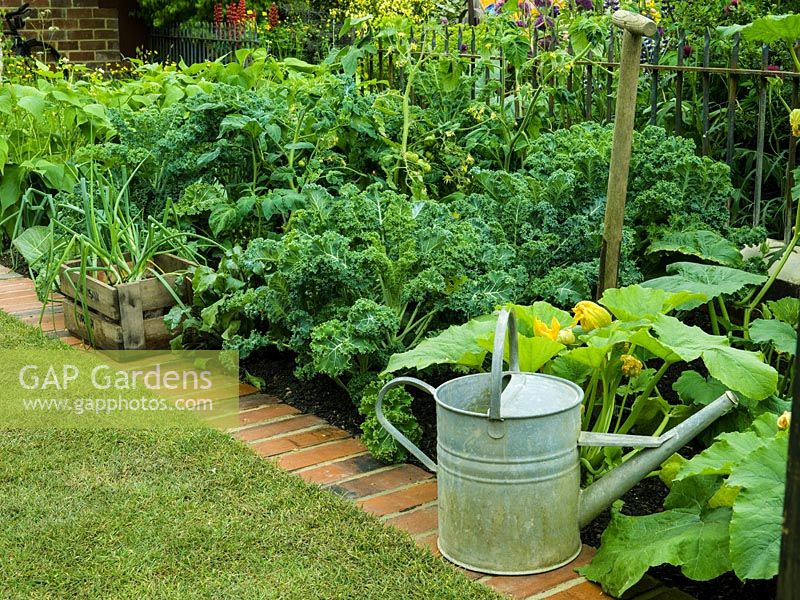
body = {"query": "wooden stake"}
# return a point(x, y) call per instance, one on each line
point(634, 26)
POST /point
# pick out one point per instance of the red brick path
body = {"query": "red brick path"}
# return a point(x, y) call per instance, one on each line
point(403, 496)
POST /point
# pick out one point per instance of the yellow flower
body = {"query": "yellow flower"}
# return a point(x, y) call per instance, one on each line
point(591, 315)
point(631, 366)
point(540, 329)
point(785, 420)
point(794, 120)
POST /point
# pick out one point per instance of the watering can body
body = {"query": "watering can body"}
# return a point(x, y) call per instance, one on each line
point(508, 474)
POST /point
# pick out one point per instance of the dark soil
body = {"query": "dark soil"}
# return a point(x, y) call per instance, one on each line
point(324, 398)
point(320, 396)
point(15, 263)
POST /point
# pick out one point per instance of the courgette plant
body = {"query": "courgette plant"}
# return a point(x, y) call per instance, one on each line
point(619, 362)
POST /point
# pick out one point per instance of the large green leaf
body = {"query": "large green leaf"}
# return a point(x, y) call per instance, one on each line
point(34, 243)
point(456, 345)
point(755, 529)
point(33, 102)
point(534, 352)
point(722, 455)
point(786, 310)
point(57, 176)
point(591, 356)
point(449, 72)
point(568, 368)
point(782, 335)
point(223, 217)
point(11, 187)
point(709, 280)
point(607, 337)
point(739, 370)
point(695, 389)
point(769, 29)
point(684, 535)
point(708, 245)
point(636, 302)
point(687, 342)
point(643, 339)
point(544, 311)
point(3, 153)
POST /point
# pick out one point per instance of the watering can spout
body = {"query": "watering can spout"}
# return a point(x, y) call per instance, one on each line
point(599, 495)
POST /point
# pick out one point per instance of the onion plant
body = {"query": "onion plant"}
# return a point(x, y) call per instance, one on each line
point(109, 238)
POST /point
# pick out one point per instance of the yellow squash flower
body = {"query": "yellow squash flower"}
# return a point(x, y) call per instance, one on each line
point(591, 315)
point(540, 329)
point(631, 366)
point(785, 420)
point(794, 121)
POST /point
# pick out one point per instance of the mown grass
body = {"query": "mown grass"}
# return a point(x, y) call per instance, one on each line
point(187, 514)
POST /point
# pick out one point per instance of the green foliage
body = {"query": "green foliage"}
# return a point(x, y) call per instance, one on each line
point(619, 365)
point(397, 409)
point(165, 12)
point(709, 280)
point(707, 245)
point(785, 309)
point(782, 336)
point(723, 513)
point(740, 370)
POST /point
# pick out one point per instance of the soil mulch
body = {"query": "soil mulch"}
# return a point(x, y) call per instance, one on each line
point(322, 397)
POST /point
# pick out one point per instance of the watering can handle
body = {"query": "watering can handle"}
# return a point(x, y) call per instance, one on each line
point(394, 431)
point(506, 323)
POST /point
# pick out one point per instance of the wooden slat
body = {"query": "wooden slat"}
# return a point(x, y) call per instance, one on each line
point(733, 86)
point(679, 84)
point(610, 76)
point(706, 91)
point(654, 80)
point(131, 315)
point(760, 135)
point(97, 295)
point(107, 335)
point(788, 215)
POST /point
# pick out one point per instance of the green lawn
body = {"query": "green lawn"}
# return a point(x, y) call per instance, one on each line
point(187, 514)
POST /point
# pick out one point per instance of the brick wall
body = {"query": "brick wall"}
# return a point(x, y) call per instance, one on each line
point(88, 30)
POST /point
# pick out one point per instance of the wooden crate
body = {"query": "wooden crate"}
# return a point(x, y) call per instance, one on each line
point(128, 316)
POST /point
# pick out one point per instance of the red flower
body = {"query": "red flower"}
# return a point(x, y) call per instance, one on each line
point(237, 12)
point(217, 13)
point(274, 17)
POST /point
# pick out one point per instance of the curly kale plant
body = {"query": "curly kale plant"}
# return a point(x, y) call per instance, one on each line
point(352, 280)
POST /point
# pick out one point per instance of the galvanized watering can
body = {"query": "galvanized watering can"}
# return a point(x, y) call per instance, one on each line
point(508, 476)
